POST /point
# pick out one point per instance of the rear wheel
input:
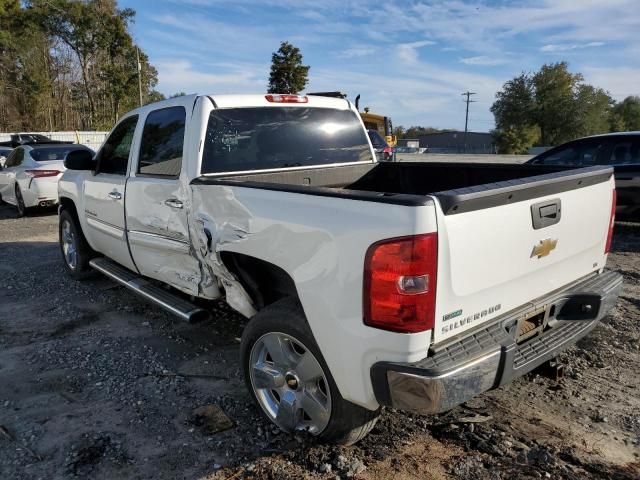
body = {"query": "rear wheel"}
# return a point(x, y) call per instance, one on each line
point(20, 207)
point(290, 381)
point(75, 250)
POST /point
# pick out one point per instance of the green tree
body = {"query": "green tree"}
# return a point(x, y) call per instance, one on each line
point(594, 108)
point(399, 131)
point(627, 115)
point(548, 107)
point(515, 104)
point(555, 103)
point(288, 74)
point(68, 64)
point(416, 131)
point(516, 139)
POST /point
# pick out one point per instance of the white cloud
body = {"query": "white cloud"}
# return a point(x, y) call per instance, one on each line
point(620, 82)
point(481, 27)
point(553, 48)
point(375, 50)
point(180, 75)
point(407, 52)
point(483, 60)
point(358, 51)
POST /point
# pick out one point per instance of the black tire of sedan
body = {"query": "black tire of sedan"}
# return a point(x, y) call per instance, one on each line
point(290, 381)
point(20, 207)
point(74, 248)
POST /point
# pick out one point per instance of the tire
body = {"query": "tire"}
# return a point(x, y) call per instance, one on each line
point(284, 378)
point(74, 248)
point(20, 207)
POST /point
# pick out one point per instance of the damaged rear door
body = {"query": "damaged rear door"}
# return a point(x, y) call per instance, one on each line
point(157, 225)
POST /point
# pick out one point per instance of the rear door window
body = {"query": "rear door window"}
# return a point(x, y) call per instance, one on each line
point(162, 142)
point(625, 151)
point(114, 155)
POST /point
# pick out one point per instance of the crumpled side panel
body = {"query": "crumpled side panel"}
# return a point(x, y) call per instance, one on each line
point(209, 239)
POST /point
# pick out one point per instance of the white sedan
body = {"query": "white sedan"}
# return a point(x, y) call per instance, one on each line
point(29, 176)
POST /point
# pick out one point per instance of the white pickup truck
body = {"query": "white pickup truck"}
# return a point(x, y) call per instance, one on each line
point(411, 285)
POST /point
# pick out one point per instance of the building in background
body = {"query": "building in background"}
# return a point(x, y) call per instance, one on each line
point(458, 142)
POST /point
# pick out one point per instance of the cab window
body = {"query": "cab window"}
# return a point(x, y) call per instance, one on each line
point(162, 142)
point(114, 154)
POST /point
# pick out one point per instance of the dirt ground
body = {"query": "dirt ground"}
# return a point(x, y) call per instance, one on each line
point(96, 383)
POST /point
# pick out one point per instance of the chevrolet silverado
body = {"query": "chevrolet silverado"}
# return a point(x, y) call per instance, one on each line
point(410, 285)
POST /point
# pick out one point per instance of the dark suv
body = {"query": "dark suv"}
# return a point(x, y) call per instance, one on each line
point(619, 150)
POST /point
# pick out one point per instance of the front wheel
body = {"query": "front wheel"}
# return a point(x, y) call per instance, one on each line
point(290, 381)
point(75, 250)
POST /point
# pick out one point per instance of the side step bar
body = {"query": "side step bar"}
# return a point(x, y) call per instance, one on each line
point(161, 297)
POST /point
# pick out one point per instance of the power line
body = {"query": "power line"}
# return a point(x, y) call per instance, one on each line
point(466, 118)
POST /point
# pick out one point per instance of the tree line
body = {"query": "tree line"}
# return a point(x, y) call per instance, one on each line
point(552, 106)
point(69, 65)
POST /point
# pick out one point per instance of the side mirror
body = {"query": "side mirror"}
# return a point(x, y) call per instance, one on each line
point(3, 161)
point(80, 160)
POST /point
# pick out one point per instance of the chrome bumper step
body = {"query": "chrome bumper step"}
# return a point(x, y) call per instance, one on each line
point(155, 294)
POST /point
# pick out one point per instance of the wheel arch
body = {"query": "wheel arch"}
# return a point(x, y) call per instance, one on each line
point(264, 282)
point(68, 204)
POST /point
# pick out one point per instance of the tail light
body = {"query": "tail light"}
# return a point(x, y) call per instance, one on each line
point(612, 219)
point(286, 98)
point(41, 173)
point(400, 283)
point(388, 152)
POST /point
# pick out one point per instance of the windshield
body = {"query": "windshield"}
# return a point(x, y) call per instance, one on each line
point(49, 154)
point(242, 139)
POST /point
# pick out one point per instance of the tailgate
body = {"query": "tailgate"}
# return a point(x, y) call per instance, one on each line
point(505, 244)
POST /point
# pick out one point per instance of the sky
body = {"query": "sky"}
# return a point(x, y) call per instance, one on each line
point(410, 60)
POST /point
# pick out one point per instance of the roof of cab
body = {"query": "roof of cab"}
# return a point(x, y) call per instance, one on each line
point(245, 100)
point(260, 100)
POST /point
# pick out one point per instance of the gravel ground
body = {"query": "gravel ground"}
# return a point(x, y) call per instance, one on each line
point(95, 383)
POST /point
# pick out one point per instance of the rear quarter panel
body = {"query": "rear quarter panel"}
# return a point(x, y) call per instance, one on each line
point(321, 243)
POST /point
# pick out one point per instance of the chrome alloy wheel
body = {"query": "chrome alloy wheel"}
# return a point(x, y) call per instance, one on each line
point(69, 245)
point(289, 383)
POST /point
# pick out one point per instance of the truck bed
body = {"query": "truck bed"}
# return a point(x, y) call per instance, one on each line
point(459, 187)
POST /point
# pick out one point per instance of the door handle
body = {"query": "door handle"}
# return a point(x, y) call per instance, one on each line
point(173, 203)
point(545, 214)
point(116, 195)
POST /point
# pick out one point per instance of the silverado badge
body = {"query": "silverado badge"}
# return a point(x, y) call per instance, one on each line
point(544, 248)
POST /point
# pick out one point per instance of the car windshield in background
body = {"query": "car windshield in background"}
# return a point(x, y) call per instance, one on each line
point(50, 154)
point(243, 139)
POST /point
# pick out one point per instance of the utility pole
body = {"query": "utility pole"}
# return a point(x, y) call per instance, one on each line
point(140, 75)
point(466, 118)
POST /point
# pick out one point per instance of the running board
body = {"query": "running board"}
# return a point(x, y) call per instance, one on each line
point(155, 294)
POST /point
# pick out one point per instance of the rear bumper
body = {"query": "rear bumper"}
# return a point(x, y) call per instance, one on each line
point(490, 357)
point(41, 192)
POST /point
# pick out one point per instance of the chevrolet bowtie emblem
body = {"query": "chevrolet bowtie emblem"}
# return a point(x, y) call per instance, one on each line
point(544, 248)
